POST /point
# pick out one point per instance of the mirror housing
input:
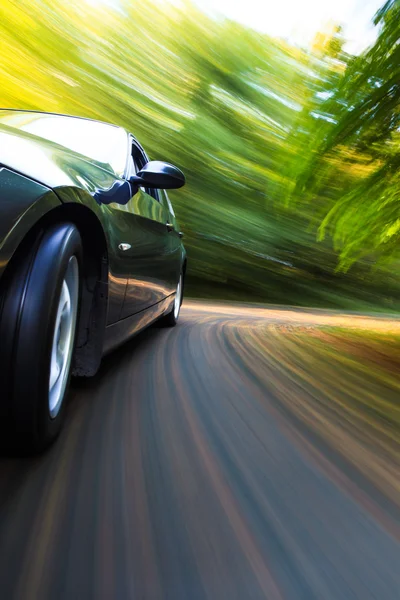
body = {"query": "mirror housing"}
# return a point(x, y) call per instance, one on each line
point(159, 175)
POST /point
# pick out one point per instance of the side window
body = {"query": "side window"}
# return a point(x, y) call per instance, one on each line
point(139, 160)
point(132, 167)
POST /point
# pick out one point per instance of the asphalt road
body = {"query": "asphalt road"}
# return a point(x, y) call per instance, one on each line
point(201, 463)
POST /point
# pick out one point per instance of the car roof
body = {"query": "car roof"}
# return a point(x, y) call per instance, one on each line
point(54, 114)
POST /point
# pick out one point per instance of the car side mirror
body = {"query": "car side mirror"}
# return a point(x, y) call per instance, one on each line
point(159, 175)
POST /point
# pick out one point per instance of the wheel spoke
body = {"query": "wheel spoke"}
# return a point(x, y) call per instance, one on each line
point(63, 338)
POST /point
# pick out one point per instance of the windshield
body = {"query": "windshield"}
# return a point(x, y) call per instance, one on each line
point(98, 141)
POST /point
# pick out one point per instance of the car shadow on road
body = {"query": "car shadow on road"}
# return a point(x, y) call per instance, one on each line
point(15, 470)
point(116, 359)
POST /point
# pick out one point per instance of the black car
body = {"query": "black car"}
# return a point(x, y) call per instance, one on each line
point(90, 254)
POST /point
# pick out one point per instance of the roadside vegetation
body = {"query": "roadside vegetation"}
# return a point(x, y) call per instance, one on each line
point(291, 154)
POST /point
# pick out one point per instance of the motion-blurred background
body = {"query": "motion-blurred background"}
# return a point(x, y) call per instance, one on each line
point(285, 120)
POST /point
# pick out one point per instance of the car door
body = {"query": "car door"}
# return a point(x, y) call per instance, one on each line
point(174, 238)
point(151, 257)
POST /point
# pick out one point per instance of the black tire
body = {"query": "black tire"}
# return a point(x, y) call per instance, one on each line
point(29, 303)
point(171, 319)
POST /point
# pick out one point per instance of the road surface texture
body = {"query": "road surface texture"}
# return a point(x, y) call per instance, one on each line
point(244, 454)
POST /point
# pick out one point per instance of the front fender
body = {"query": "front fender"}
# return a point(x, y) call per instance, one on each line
point(23, 202)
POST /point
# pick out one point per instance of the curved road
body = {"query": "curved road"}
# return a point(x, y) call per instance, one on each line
point(236, 456)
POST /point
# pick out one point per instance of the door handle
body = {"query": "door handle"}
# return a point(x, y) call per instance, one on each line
point(169, 226)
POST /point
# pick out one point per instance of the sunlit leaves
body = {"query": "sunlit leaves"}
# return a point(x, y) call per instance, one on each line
point(246, 117)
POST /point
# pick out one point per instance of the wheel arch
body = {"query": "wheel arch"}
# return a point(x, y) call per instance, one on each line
point(94, 297)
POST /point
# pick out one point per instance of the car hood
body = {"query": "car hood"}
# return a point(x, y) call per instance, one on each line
point(49, 163)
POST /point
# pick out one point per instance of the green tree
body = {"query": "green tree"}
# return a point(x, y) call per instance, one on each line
point(239, 112)
point(362, 150)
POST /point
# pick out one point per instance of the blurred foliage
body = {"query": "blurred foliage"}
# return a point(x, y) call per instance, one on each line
point(274, 140)
point(360, 149)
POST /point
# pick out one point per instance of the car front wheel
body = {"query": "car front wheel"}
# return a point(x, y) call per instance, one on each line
point(40, 306)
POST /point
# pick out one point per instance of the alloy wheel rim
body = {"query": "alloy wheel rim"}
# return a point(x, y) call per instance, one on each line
point(63, 337)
